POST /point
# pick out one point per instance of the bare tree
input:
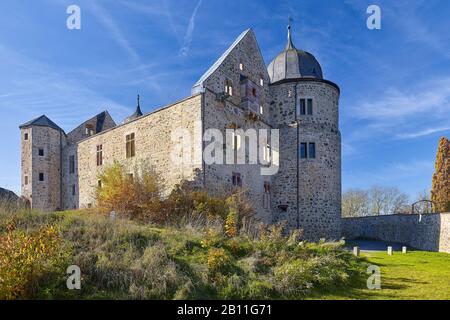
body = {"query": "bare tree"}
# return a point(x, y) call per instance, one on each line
point(355, 203)
point(376, 200)
point(423, 207)
point(387, 200)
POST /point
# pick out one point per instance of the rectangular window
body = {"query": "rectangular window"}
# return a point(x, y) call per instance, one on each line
point(241, 66)
point(229, 87)
point(72, 164)
point(266, 153)
point(100, 155)
point(261, 81)
point(99, 183)
point(130, 146)
point(73, 190)
point(41, 176)
point(302, 110)
point(312, 150)
point(261, 110)
point(303, 151)
point(236, 141)
point(25, 137)
point(236, 179)
point(310, 107)
point(41, 152)
point(26, 180)
point(266, 195)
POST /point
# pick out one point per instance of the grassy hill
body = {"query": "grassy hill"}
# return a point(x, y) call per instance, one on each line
point(194, 259)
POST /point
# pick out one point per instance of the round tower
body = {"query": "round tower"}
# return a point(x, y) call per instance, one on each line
point(42, 142)
point(304, 107)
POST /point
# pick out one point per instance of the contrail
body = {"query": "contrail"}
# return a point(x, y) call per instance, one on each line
point(190, 30)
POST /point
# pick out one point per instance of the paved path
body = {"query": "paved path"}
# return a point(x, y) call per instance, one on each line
point(372, 245)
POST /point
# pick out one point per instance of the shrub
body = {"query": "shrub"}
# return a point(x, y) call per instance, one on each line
point(218, 261)
point(137, 196)
point(27, 258)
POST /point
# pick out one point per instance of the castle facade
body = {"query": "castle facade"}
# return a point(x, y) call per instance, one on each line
point(60, 170)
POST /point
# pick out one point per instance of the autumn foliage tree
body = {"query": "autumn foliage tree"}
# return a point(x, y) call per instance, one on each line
point(135, 194)
point(440, 194)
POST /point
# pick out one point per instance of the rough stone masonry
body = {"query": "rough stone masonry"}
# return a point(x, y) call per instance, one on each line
point(59, 169)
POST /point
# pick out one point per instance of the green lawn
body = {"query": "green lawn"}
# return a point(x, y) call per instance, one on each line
point(411, 276)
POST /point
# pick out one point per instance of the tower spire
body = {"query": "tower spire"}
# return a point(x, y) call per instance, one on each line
point(290, 45)
point(138, 107)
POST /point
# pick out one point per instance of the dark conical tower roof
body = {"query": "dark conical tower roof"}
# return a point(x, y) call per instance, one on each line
point(138, 113)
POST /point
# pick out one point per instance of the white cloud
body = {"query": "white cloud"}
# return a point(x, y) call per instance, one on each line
point(429, 97)
point(422, 133)
point(405, 113)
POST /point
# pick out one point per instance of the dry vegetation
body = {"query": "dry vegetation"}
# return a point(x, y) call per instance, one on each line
point(188, 245)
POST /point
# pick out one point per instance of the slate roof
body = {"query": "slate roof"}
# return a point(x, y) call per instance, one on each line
point(293, 63)
point(43, 121)
point(137, 114)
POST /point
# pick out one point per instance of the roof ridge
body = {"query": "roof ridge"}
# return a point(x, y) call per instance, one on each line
point(222, 58)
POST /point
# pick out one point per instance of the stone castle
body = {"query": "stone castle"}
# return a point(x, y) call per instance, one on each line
point(60, 170)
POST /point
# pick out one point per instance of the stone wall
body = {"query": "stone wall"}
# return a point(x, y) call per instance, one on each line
point(429, 232)
point(43, 195)
point(231, 114)
point(154, 146)
point(70, 188)
point(310, 188)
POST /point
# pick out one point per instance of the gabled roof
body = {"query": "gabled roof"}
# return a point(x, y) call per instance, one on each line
point(98, 120)
point(42, 121)
point(216, 65)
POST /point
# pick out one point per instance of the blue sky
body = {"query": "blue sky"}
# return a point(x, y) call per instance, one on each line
point(395, 82)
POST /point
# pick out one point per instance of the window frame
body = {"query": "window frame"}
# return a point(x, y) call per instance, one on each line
point(99, 155)
point(71, 164)
point(130, 145)
point(229, 86)
point(305, 106)
point(309, 106)
point(266, 195)
point(312, 151)
point(303, 150)
point(236, 179)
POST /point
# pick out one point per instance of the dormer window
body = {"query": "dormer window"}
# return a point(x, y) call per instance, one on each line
point(228, 86)
point(90, 130)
